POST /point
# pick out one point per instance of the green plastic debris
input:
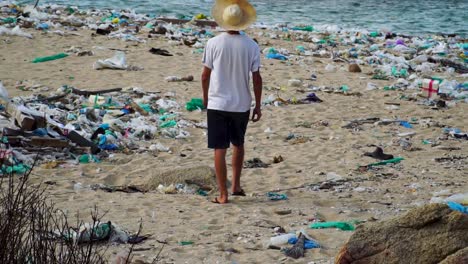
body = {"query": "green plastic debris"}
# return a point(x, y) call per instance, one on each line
point(167, 124)
point(401, 73)
point(146, 107)
point(50, 58)
point(87, 158)
point(88, 233)
point(202, 192)
point(379, 75)
point(70, 10)
point(389, 88)
point(186, 243)
point(276, 196)
point(344, 88)
point(345, 226)
point(374, 34)
point(19, 169)
point(167, 117)
point(198, 51)
point(386, 162)
point(195, 104)
point(272, 51)
point(9, 20)
point(437, 79)
point(426, 142)
point(149, 25)
point(300, 49)
point(306, 28)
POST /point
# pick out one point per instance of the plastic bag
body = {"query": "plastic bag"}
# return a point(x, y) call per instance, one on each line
point(195, 104)
point(330, 68)
point(118, 62)
point(14, 32)
point(3, 92)
point(340, 225)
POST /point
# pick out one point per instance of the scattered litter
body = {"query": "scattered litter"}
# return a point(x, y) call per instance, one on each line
point(276, 196)
point(195, 104)
point(379, 154)
point(255, 163)
point(118, 62)
point(161, 52)
point(386, 162)
point(345, 226)
point(50, 58)
point(179, 79)
point(458, 207)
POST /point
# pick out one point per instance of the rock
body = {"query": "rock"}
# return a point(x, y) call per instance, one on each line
point(159, 30)
point(202, 176)
point(283, 211)
point(428, 234)
point(354, 68)
point(460, 256)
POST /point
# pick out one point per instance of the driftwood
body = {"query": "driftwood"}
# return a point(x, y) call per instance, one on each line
point(459, 68)
point(48, 99)
point(200, 23)
point(88, 93)
point(25, 121)
point(358, 122)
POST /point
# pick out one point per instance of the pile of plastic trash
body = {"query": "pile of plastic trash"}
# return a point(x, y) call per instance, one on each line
point(72, 124)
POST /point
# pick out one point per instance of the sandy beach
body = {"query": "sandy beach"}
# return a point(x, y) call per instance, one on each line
point(310, 137)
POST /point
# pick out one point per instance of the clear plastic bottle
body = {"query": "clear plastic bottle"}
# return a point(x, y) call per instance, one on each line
point(281, 239)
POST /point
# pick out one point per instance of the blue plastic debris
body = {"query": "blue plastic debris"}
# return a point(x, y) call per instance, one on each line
point(458, 207)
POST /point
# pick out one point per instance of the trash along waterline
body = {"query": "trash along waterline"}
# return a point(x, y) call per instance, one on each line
point(330, 176)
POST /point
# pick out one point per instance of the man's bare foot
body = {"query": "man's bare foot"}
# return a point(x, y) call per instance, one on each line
point(219, 201)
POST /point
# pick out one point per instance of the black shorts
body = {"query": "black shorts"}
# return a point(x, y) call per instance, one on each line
point(225, 128)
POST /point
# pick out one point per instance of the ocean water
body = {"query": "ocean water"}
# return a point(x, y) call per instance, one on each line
point(401, 16)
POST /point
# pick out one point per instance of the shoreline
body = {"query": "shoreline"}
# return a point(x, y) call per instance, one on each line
point(278, 25)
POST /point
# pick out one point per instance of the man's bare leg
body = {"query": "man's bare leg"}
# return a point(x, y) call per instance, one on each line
point(237, 163)
point(221, 174)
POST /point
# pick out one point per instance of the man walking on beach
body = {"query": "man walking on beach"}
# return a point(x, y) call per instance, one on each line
point(228, 61)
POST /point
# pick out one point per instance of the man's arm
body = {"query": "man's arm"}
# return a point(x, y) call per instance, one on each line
point(258, 86)
point(205, 79)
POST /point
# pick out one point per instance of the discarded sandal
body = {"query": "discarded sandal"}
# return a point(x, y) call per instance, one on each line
point(161, 52)
point(379, 154)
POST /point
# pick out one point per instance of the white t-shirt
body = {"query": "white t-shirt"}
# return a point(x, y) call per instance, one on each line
point(231, 59)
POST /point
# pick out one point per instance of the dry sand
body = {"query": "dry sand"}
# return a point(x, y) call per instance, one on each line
point(246, 223)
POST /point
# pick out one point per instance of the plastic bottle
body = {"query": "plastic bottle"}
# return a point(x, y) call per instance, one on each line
point(281, 239)
point(461, 198)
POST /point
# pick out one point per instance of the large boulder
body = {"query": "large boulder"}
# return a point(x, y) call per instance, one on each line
point(430, 234)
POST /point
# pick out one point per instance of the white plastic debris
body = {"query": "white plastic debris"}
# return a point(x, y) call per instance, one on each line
point(294, 83)
point(118, 62)
point(3, 92)
point(14, 32)
point(330, 68)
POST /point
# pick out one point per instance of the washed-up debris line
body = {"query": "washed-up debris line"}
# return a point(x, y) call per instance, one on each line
point(85, 126)
point(409, 61)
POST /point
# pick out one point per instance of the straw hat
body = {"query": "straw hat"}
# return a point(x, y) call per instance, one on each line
point(234, 14)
